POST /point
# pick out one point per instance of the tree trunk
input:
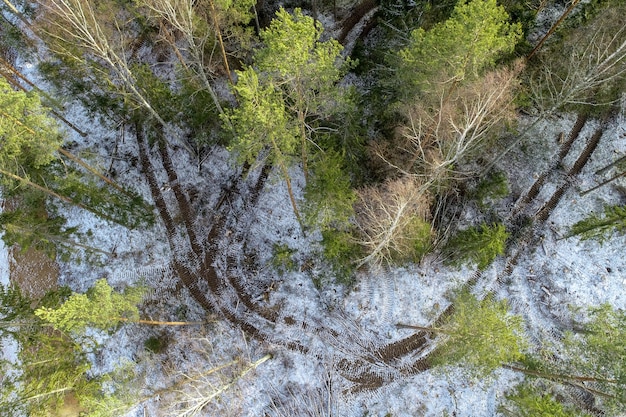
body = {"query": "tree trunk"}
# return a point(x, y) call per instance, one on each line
point(552, 29)
point(218, 31)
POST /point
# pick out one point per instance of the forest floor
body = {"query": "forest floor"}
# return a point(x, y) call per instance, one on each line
point(210, 258)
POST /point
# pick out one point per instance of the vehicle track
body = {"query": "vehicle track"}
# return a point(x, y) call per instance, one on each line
point(215, 280)
point(521, 243)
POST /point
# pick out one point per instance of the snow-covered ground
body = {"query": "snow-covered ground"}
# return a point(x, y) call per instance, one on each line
point(545, 284)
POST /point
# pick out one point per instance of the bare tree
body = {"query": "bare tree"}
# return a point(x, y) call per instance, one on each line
point(320, 401)
point(591, 59)
point(212, 368)
point(181, 14)
point(392, 221)
point(72, 23)
point(443, 129)
point(461, 120)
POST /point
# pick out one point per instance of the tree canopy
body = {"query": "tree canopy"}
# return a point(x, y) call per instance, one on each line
point(460, 48)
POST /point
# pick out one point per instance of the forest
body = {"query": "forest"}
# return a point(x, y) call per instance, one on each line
point(312, 208)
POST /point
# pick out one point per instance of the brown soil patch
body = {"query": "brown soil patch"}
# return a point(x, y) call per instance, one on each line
point(33, 272)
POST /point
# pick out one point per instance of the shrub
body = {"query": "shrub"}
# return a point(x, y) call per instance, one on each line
point(282, 258)
point(494, 186)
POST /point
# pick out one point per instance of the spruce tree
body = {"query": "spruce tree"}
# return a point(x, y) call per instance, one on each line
point(601, 227)
point(477, 245)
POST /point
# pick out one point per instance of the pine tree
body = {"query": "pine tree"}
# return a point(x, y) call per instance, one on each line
point(459, 49)
point(51, 367)
point(100, 307)
point(305, 69)
point(30, 136)
point(481, 335)
point(261, 122)
point(287, 94)
point(590, 360)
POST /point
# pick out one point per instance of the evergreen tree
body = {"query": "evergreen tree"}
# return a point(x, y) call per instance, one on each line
point(51, 366)
point(30, 137)
point(599, 354)
point(479, 245)
point(480, 334)
point(305, 69)
point(261, 122)
point(528, 401)
point(33, 164)
point(459, 49)
point(287, 95)
point(601, 227)
point(590, 360)
point(100, 307)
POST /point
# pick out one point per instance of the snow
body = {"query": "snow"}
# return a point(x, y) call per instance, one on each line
point(545, 285)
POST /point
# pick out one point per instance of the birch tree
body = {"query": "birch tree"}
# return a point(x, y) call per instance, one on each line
point(184, 17)
point(80, 31)
point(587, 69)
point(392, 222)
point(443, 132)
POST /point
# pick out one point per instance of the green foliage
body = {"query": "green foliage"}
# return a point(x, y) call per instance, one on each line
point(462, 47)
point(261, 120)
point(288, 97)
point(282, 258)
point(198, 113)
point(494, 186)
point(51, 365)
point(600, 353)
point(100, 307)
point(420, 233)
point(14, 307)
point(589, 10)
point(30, 136)
point(305, 68)
point(527, 401)
point(479, 245)
point(329, 196)
point(341, 250)
point(593, 357)
point(28, 158)
point(603, 227)
point(125, 208)
point(294, 80)
point(155, 344)
point(481, 335)
point(77, 80)
point(155, 91)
